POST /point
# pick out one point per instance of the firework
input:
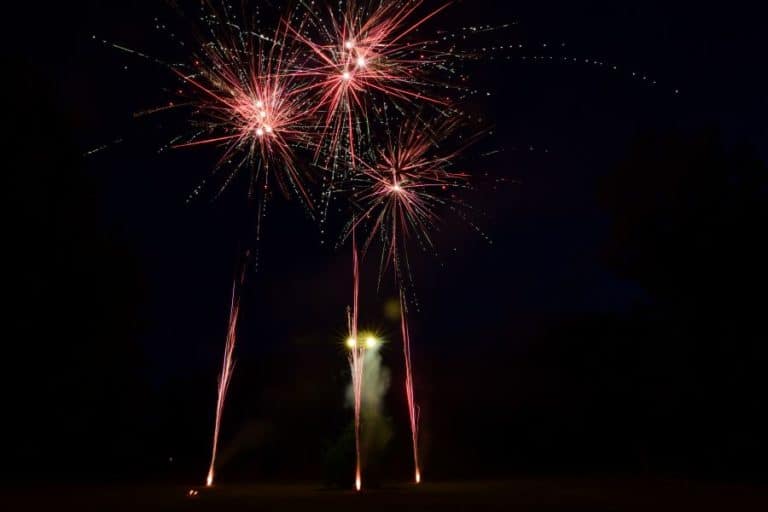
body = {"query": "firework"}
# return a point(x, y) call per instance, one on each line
point(399, 195)
point(244, 100)
point(364, 52)
point(402, 190)
point(247, 103)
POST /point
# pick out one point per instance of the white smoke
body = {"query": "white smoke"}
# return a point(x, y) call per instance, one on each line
point(375, 428)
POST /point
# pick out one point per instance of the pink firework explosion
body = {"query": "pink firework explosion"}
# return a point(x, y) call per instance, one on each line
point(244, 99)
point(365, 51)
point(406, 184)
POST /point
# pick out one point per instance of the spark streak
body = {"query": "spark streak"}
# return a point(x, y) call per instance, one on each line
point(225, 376)
point(413, 410)
point(356, 361)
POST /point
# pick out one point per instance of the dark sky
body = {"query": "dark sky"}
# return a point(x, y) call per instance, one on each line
point(120, 288)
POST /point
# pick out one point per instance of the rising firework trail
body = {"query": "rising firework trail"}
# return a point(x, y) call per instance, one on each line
point(356, 360)
point(227, 366)
point(413, 411)
point(399, 194)
point(358, 345)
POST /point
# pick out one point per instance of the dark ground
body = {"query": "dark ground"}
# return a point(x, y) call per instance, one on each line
point(571, 494)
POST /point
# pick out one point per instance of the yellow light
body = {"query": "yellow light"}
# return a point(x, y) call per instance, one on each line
point(371, 342)
point(351, 343)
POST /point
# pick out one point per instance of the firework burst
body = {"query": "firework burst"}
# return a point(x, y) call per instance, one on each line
point(401, 191)
point(244, 100)
point(365, 52)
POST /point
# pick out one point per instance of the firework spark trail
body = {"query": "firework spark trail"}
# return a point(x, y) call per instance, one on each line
point(356, 361)
point(227, 367)
point(413, 409)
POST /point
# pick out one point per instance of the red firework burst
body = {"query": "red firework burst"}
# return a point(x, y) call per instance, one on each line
point(406, 184)
point(364, 52)
point(246, 101)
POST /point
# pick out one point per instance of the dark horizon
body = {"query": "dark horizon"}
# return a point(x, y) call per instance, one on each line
point(614, 326)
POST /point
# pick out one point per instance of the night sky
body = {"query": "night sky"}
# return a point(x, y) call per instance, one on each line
point(615, 324)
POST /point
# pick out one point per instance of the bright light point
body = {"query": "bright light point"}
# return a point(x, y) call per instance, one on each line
point(358, 484)
point(371, 342)
point(259, 104)
point(259, 132)
point(349, 44)
point(346, 75)
point(267, 128)
point(396, 188)
point(262, 114)
point(418, 477)
point(209, 480)
point(361, 62)
point(351, 343)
